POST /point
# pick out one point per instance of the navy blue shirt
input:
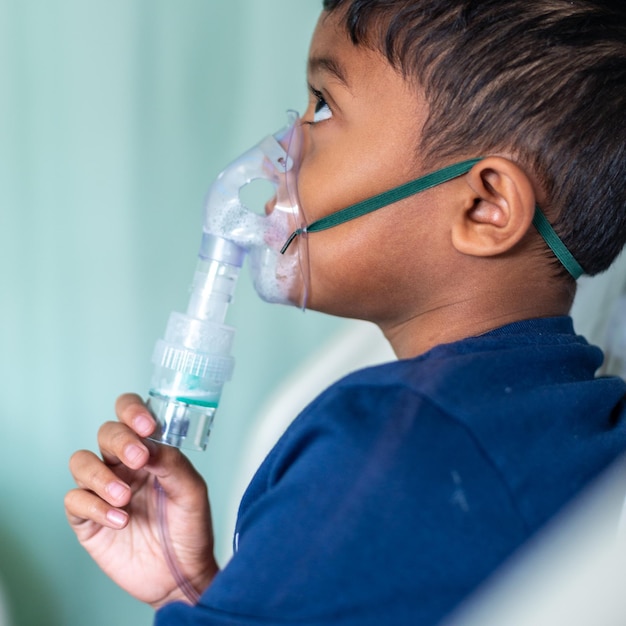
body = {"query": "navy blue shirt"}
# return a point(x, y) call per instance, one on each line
point(403, 486)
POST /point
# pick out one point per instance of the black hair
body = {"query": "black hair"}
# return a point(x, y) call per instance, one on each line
point(542, 79)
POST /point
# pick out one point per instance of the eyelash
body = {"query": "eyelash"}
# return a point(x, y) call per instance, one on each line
point(320, 106)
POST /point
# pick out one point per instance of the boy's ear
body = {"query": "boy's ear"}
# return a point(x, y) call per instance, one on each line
point(498, 208)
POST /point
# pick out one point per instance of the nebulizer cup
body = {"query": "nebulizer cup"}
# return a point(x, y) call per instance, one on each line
point(194, 358)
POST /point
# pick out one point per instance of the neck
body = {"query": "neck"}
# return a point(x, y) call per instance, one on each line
point(479, 312)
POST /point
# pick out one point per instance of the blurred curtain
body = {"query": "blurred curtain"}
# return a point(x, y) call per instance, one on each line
point(599, 313)
point(114, 118)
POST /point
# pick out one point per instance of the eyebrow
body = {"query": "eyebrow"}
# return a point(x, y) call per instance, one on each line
point(330, 65)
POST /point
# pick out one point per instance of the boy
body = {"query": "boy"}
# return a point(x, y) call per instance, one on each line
point(402, 487)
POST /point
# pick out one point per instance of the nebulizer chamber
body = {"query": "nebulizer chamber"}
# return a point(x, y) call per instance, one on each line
point(194, 358)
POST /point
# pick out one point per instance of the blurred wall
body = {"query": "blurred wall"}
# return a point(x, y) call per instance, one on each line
point(114, 118)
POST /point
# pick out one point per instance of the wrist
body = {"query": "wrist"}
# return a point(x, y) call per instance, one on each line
point(191, 590)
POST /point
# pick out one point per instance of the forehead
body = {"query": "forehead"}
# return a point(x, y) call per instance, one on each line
point(332, 52)
point(360, 70)
point(369, 98)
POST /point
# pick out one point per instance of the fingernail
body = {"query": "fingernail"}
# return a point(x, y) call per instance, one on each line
point(116, 490)
point(135, 453)
point(116, 517)
point(143, 424)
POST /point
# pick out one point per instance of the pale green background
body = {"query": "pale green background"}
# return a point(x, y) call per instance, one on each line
point(114, 118)
point(115, 115)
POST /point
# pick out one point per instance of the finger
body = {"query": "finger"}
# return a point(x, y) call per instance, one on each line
point(91, 474)
point(132, 411)
point(177, 476)
point(175, 473)
point(82, 507)
point(118, 443)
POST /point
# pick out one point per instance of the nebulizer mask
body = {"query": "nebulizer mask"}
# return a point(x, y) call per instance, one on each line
point(193, 360)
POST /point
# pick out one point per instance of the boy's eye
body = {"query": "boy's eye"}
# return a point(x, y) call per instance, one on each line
point(322, 110)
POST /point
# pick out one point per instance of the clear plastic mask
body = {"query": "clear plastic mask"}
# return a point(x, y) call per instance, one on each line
point(277, 277)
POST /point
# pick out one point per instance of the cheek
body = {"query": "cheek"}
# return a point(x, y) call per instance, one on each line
point(321, 186)
point(351, 269)
point(376, 266)
point(332, 177)
point(326, 186)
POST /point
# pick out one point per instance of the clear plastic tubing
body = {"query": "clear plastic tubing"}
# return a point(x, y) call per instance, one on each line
point(168, 550)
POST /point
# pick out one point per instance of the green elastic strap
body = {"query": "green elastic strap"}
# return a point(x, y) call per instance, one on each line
point(556, 245)
point(421, 184)
point(383, 199)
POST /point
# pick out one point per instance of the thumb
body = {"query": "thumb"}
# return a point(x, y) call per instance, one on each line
point(184, 514)
point(177, 477)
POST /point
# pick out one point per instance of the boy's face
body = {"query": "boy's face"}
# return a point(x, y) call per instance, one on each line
point(361, 130)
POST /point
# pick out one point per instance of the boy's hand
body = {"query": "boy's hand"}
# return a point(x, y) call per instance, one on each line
point(114, 515)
